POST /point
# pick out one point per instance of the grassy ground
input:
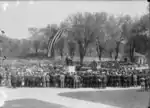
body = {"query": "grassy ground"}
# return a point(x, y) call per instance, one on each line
point(120, 98)
point(30, 103)
point(18, 61)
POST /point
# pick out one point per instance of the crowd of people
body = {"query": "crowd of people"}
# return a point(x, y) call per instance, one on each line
point(111, 74)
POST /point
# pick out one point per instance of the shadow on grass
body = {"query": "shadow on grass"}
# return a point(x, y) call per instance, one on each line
point(119, 98)
point(30, 103)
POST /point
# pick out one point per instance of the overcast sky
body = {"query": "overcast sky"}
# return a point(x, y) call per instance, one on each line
point(16, 17)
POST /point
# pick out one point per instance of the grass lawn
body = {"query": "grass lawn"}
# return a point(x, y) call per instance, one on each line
point(120, 98)
point(30, 103)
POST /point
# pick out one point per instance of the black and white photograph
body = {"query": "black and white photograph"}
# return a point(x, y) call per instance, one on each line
point(74, 54)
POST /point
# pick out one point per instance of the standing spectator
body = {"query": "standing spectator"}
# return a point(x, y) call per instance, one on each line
point(135, 80)
point(62, 80)
point(76, 81)
point(44, 81)
point(47, 80)
point(105, 80)
point(14, 80)
point(1, 78)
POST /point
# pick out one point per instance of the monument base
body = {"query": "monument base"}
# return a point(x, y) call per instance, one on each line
point(70, 69)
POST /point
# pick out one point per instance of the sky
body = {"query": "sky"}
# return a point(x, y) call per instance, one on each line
point(16, 17)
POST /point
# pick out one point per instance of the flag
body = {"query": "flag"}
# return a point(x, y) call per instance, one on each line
point(54, 41)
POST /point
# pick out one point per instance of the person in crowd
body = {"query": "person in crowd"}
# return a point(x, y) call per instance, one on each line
point(99, 80)
point(142, 80)
point(43, 80)
point(105, 80)
point(76, 81)
point(47, 78)
point(1, 78)
point(107, 75)
point(135, 80)
point(22, 81)
point(146, 83)
point(14, 80)
point(62, 80)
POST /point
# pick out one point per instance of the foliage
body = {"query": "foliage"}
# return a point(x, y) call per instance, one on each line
point(84, 29)
point(84, 33)
point(139, 37)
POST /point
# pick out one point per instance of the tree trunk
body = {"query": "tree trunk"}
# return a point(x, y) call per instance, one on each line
point(117, 50)
point(81, 59)
point(132, 52)
point(61, 54)
point(82, 54)
point(100, 54)
point(116, 57)
point(132, 55)
point(72, 55)
point(36, 50)
point(82, 50)
point(110, 53)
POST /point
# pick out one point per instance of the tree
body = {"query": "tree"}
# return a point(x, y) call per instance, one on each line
point(113, 36)
point(118, 41)
point(25, 46)
point(36, 45)
point(110, 46)
point(100, 47)
point(100, 20)
point(117, 29)
point(138, 40)
point(72, 48)
point(84, 34)
point(35, 37)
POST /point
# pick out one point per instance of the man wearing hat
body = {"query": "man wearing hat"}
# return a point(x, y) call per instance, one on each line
point(14, 79)
point(99, 80)
point(43, 80)
point(135, 79)
point(62, 80)
point(76, 80)
point(47, 80)
point(105, 80)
